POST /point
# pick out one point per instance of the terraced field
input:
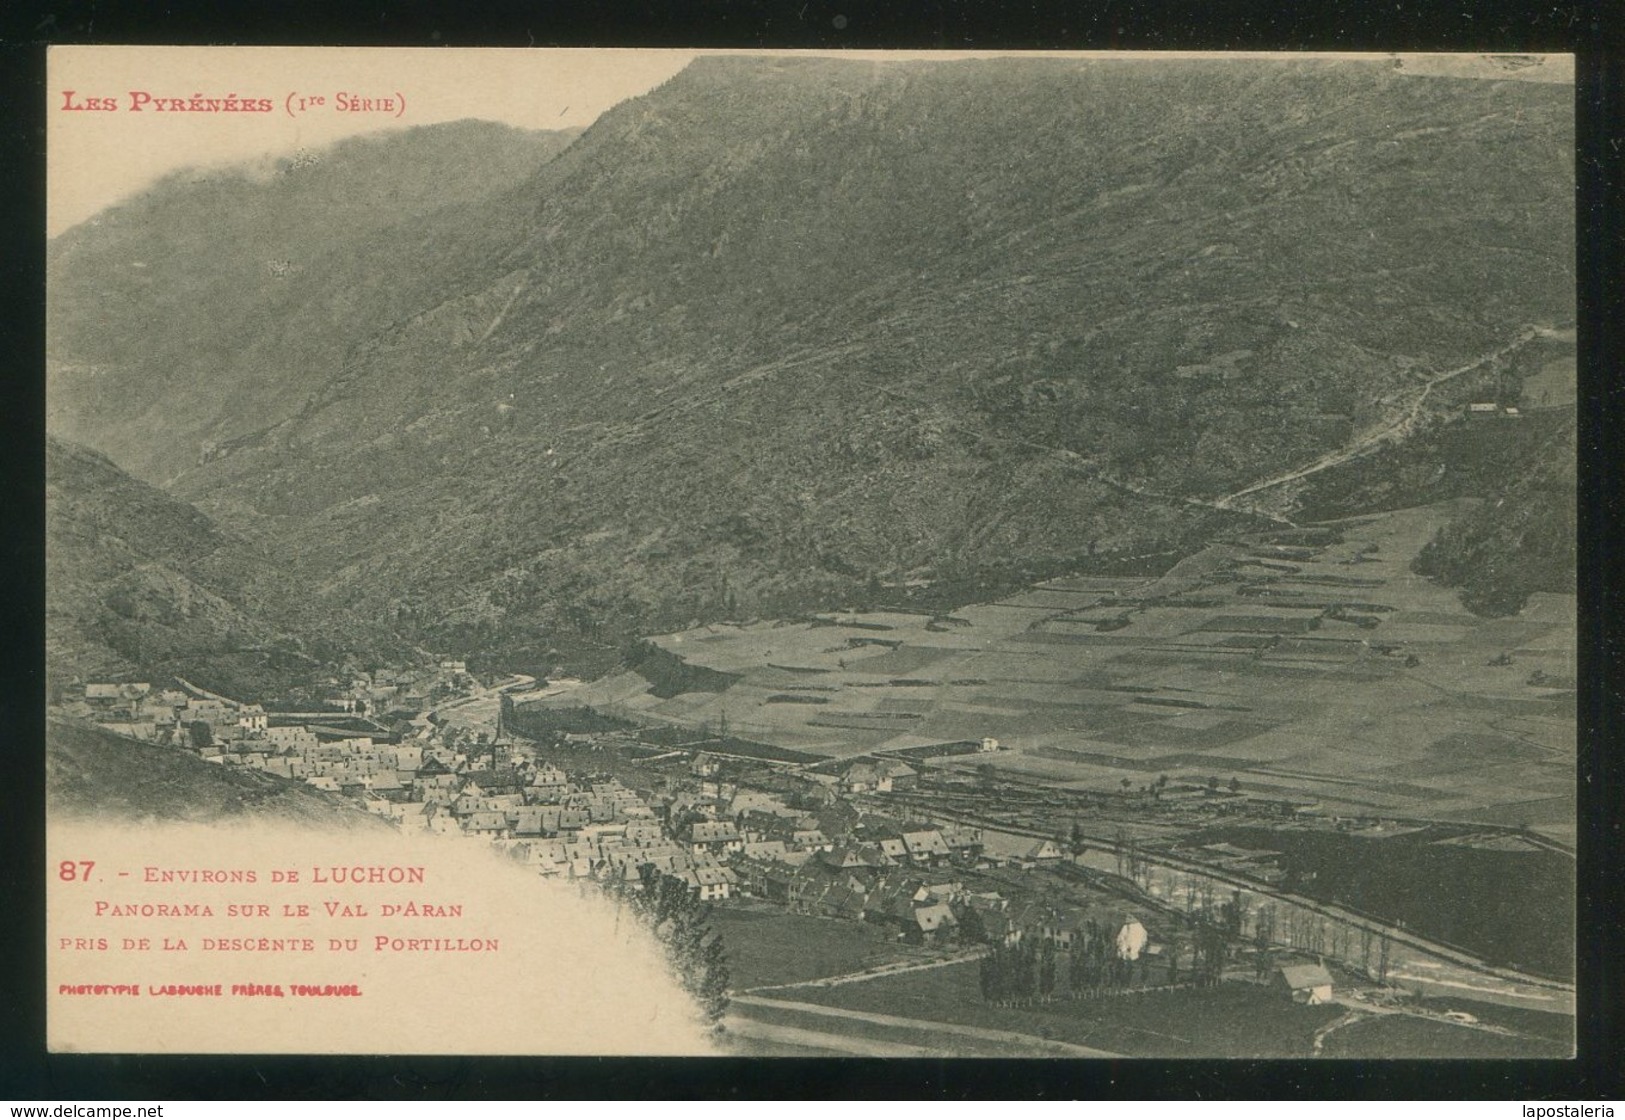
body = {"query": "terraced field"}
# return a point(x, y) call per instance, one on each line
point(1310, 665)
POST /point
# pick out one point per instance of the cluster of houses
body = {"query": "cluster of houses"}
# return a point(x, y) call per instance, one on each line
point(424, 776)
point(805, 847)
point(565, 828)
point(927, 906)
point(400, 690)
point(195, 717)
point(808, 841)
point(801, 843)
point(336, 750)
point(140, 711)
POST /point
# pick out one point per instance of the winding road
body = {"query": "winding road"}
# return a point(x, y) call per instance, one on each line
point(1395, 429)
point(1025, 1043)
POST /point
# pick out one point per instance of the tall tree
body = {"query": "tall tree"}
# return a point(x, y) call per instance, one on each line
point(682, 922)
point(972, 927)
point(1045, 969)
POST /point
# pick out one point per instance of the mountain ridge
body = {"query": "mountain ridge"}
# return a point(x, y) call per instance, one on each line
point(776, 331)
point(167, 308)
point(139, 583)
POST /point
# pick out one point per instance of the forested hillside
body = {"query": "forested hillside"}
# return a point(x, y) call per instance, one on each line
point(140, 584)
point(168, 312)
point(781, 332)
point(1521, 540)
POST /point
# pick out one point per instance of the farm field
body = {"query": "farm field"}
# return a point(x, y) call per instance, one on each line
point(879, 1034)
point(1555, 1029)
point(1406, 1036)
point(1232, 1020)
point(1440, 881)
point(1325, 674)
point(767, 945)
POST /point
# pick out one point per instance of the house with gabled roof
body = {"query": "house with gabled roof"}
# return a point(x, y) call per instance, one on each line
point(862, 776)
point(492, 823)
point(766, 879)
point(602, 832)
point(116, 701)
point(895, 774)
point(989, 914)
point(471, 801)
point(893, 896)
point(1304, 983)
point(847, 857)
point(714, 836)
point(714, 883)
point(763, 849)
point(549, 794)
point(497, 781)
point(933, 921)
point(385, 780)
point(102, 694)
point(536, 821)
point(579, 859)
point(963, 841)
point(432, 770)
point(1021, 851)
point(383, 807)
point(807, 887)
point(545, 856)
point(842, 900)
point(810, 839)
point(893, 848)
point(756, 801)
point(642, 830)
point(548, 774)
point(1076, 925)
point(252, 718)
point(1044, 851)
point(926, 847)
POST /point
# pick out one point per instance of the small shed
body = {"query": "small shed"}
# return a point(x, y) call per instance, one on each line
point(1305, 983)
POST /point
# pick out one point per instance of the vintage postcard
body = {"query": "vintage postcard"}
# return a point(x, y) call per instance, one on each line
point(633, 552)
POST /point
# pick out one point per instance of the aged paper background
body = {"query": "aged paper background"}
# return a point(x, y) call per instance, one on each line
point(568, 972)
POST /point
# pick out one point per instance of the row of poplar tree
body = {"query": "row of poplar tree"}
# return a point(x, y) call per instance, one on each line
point(1037, 972)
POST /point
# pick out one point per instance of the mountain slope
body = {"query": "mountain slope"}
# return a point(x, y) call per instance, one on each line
point(782, 329)
point(1520, 541)
point(93, 773)
point(138, 583)
point(167, 310)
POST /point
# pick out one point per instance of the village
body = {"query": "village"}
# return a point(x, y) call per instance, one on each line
point(852, 883)
point(434, 750)
point(728, 827)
